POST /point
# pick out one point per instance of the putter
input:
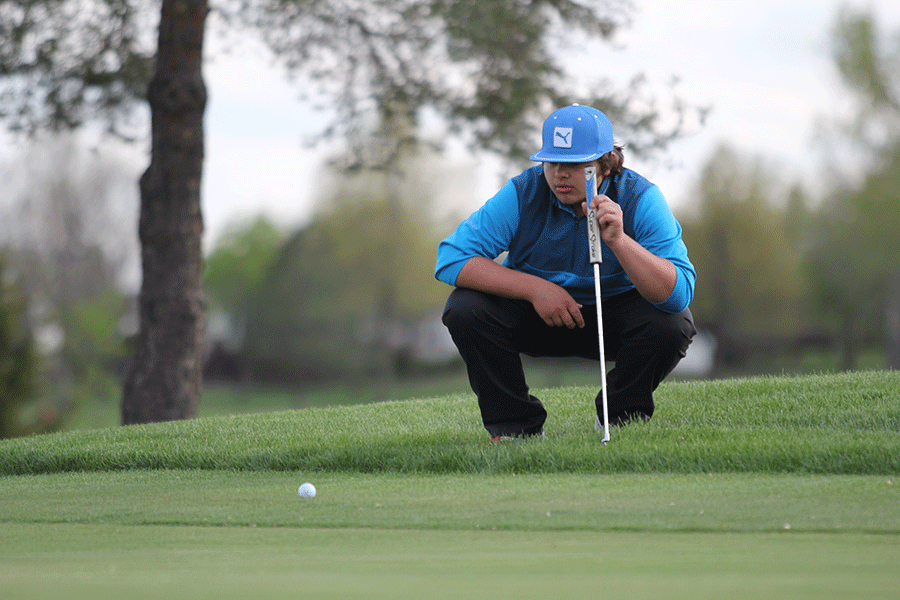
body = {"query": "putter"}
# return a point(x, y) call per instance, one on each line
point(596, 255)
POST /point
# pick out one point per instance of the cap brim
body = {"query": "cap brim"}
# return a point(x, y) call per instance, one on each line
point(564, 158)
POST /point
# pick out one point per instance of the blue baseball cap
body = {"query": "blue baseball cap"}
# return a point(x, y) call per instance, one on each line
point(575, 134)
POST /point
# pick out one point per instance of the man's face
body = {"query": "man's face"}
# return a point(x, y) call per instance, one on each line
point(566, 180)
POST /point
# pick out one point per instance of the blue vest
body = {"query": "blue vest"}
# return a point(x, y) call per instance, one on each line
point(551, 241)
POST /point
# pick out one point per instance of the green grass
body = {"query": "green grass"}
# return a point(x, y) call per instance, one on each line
point(834, 424)
point(97, 561)
point(562, 502)
point(750, 488)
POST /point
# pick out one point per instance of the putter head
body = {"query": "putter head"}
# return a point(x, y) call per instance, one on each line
point(598, 427)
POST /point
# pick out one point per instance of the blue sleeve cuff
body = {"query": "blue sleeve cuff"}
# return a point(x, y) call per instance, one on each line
point(681, 295)
point(447, 269)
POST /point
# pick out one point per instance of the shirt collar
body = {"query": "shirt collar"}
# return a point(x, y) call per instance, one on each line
point(564, 207)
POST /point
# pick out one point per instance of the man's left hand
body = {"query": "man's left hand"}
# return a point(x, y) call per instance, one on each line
point(609, 216)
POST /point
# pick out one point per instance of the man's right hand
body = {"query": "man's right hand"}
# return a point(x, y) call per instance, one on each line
point(556, 306)
point(553, 303)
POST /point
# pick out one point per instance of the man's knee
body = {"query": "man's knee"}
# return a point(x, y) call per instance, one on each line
point(461, 308)
point(672, 332)
point(467, 308)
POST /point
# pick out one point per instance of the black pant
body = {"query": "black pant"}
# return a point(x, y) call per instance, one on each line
point(491, 332)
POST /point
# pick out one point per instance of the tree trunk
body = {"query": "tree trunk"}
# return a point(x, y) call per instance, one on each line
point(164, 377)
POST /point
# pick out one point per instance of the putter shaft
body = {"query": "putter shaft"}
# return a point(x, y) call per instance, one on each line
point(596, 257)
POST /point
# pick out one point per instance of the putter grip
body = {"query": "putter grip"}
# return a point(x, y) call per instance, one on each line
point(590, 186)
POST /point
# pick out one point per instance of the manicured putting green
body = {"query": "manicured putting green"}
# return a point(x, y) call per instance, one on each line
point(158, 561)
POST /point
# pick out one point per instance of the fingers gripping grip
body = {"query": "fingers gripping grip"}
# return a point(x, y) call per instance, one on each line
point(590, 186)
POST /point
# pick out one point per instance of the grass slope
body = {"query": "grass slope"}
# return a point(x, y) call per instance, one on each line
point(827, 424)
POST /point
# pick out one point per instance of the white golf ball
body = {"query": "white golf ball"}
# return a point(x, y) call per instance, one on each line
point(307, 490)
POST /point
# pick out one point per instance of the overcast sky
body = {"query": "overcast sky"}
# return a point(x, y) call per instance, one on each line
point(764, 67)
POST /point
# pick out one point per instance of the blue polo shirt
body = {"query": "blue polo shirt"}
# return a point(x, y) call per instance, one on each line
point(544, 237)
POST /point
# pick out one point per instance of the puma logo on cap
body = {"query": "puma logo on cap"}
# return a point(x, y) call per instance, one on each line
point(562, 137)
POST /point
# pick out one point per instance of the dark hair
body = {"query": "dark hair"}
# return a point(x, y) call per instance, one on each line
point(613, 161)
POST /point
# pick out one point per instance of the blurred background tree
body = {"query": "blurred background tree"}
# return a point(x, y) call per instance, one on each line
point(750, 292)
point(55, 224)
point(854, 265)
point(233, 274)
point(854, 260)
point(238, 263)
point(348, 293)
point(782, 274)
point(19, 360)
